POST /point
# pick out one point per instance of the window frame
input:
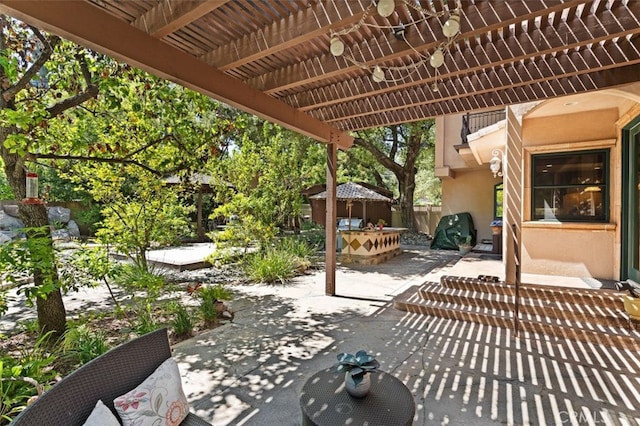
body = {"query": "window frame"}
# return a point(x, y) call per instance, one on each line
point(606, 178)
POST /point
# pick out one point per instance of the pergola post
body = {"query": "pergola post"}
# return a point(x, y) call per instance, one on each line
point(330, 222)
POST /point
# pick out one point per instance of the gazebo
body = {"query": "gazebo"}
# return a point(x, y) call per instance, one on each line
point(354, 200)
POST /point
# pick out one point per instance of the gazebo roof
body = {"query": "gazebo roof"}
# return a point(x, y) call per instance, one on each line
point(353, 191)
point(272, 57)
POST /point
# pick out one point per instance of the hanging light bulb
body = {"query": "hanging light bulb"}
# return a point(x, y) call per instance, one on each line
point(336, 47)
point(434, 87)
point(378, 74)
point(385, 7)
point(437, 58)
point(452, 26)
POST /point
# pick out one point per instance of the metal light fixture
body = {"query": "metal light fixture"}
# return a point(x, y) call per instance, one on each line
point(386, 8)
point(495, 164)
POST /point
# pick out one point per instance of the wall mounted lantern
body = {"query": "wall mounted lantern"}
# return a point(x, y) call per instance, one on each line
point(496, 164)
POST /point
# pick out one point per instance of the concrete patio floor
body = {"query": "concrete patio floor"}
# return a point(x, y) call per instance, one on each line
point(251, 371)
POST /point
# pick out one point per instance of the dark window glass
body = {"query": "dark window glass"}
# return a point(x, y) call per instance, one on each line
point(497, 201)
point(571, 186)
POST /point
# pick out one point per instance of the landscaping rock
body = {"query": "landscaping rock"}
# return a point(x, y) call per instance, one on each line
point(73, 229)
point(58, 214)
point(11, 210)
point(61, 235)
point(5, 236)
point(9, 222)
point(415, 239)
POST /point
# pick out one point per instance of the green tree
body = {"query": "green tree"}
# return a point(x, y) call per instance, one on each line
point(428, 186)
point(265, 175)
point(66, 107)
point(398, 149)
point(137, 214)
point(6, 193)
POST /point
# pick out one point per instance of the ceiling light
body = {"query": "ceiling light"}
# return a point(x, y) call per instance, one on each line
point(337, 46)
point(385, 7)
point(452, 26)
point(434, 87)
point(378, 74)
point(437, 58)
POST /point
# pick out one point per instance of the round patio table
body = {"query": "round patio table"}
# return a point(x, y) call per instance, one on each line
point(324, 401)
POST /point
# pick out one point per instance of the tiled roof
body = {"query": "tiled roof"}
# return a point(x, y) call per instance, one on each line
point(353, 191)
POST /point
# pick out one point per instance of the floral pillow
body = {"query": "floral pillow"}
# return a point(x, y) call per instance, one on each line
point(101, 416)
point(158, 401)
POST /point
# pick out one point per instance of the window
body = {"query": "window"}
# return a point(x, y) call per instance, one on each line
point(571, 186)
point(497, 201)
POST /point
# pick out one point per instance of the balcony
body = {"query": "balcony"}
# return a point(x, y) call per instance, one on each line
point(471, 123)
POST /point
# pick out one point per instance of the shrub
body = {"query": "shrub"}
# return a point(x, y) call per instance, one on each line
point(296, 247)
point(313, 234)
point(145, 321)
point(182, 321)
point(23, 377)
point(84, 344)
point(271, 266)
point(136, 278)
point(209, 297)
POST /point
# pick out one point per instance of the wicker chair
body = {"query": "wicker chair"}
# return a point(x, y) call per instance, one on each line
point(70, 401)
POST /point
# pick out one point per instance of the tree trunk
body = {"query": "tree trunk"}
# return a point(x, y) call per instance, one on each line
point(406, 187)
point(52, 316)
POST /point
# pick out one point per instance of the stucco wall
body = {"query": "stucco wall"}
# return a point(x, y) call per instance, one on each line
point(447, 136)
point(571, 249)
point(570, 128)
point(569, 252)
point(471, 191)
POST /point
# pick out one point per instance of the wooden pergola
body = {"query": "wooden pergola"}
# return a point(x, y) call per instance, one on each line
point(272, 57)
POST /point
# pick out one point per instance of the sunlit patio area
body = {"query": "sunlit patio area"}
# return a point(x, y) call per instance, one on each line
point(252, 371)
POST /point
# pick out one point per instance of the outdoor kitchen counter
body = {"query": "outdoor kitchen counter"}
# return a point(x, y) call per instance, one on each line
point(370, 246)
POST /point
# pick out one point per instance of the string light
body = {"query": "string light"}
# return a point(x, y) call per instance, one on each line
point(386, 8)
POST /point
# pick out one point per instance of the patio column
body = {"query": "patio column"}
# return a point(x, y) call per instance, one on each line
point(330, 222)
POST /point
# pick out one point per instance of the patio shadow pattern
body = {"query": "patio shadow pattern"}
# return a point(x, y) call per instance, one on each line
point(252, 373)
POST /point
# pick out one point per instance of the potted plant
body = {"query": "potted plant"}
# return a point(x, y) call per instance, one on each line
point(381, 224)
point(357, 368)
point(464, 243)
point(212, 304)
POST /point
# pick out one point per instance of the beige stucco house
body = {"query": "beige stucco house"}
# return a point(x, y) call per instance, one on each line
point(570, 176)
